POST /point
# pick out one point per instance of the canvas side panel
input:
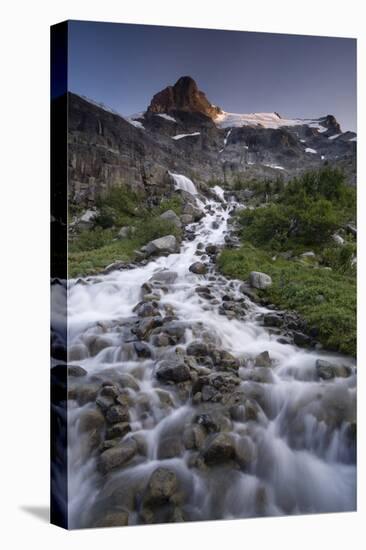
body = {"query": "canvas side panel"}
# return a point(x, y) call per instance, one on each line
point(59, 50)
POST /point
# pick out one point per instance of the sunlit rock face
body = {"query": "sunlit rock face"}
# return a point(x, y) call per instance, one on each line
point(183, 96)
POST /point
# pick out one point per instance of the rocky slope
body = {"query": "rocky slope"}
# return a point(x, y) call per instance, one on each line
point(182, 132)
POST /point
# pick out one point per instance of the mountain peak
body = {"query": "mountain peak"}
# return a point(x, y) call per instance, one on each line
point(183, 96)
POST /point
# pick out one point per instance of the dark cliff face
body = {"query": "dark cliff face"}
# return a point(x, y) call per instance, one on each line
point(106, 149)
point(183, 96)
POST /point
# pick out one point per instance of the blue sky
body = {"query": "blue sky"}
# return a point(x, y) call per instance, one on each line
point(124, 65)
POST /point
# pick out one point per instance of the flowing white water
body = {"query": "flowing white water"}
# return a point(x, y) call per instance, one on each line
point(303, 457)
point(184, 183)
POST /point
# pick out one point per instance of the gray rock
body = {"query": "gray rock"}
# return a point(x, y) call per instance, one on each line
point(186, 219)
point(198, 268)
point(351, 228)
point(259, 280)
point(172, 217)
point(228, 361)
point(162, 246)
point(162, 486)
point(338, 239)
point(219, 448)
point(76, 371)
point(146, 309)
point(117, 413)
point(272, 320)
point(143, 350)
point(113, 519)
point(263, 360)
point(165, 276)
point(117, 456)
point(173, 371)
point(197, 348)
point(146, 325)
point(83, 393)
point(125, 232)
point(91, 420)
point(175, 329)
point(77, 352)
point(327, 371)
point(300, 339)
point(118, 430)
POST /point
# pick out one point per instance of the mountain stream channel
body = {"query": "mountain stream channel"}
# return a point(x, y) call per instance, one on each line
point(183, 406)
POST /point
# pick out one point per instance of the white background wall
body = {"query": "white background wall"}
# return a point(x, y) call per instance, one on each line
point(24, 295)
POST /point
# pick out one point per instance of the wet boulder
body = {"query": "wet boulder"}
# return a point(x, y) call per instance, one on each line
point(77, 352)
point(146, 325)
point(218, 449)
point(198, 268)
point(197, 349)
point(259, 280)
point(272, 320)
point(76, 371)
point(118, 430)
point(117, 413)
point(263, 360)
point(327, 371)
point(116, 518)
point(186, 219)
point(162, 246)
point(165, 276)
point(147, 309)
point(194, 436)
point(117, 456)
point(83, 393)
point(300, 339)
point(173, 371)
point(142, 350)
point(162, 486)
point(91, 420)
point(228, 361)
point(175, 330)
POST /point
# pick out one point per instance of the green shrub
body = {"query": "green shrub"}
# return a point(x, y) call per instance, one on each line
point(308, 211)
point(173, 203)
point(90, 239)
point(340, 258)
point(153, 228)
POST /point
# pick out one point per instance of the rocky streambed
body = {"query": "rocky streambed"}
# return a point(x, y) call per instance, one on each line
point(188, 401)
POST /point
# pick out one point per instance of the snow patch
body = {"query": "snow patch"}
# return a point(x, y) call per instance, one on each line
point(227, 137)
point(136, 123)
point(335, 136)
point(274, 166)
point(166, 117)
point(310, 150)
point(353, 139)
point(265, 120)
point(180, 136)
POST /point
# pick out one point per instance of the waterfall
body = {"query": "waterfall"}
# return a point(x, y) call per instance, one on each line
point(184, 183)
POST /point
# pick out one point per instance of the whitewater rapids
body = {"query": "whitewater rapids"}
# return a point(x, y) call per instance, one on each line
point(303, 456)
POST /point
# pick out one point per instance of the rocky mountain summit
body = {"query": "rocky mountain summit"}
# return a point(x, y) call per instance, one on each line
point(183, 133)
point(183, 96)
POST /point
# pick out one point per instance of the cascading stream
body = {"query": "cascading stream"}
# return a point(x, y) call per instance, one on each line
point(291, 433)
